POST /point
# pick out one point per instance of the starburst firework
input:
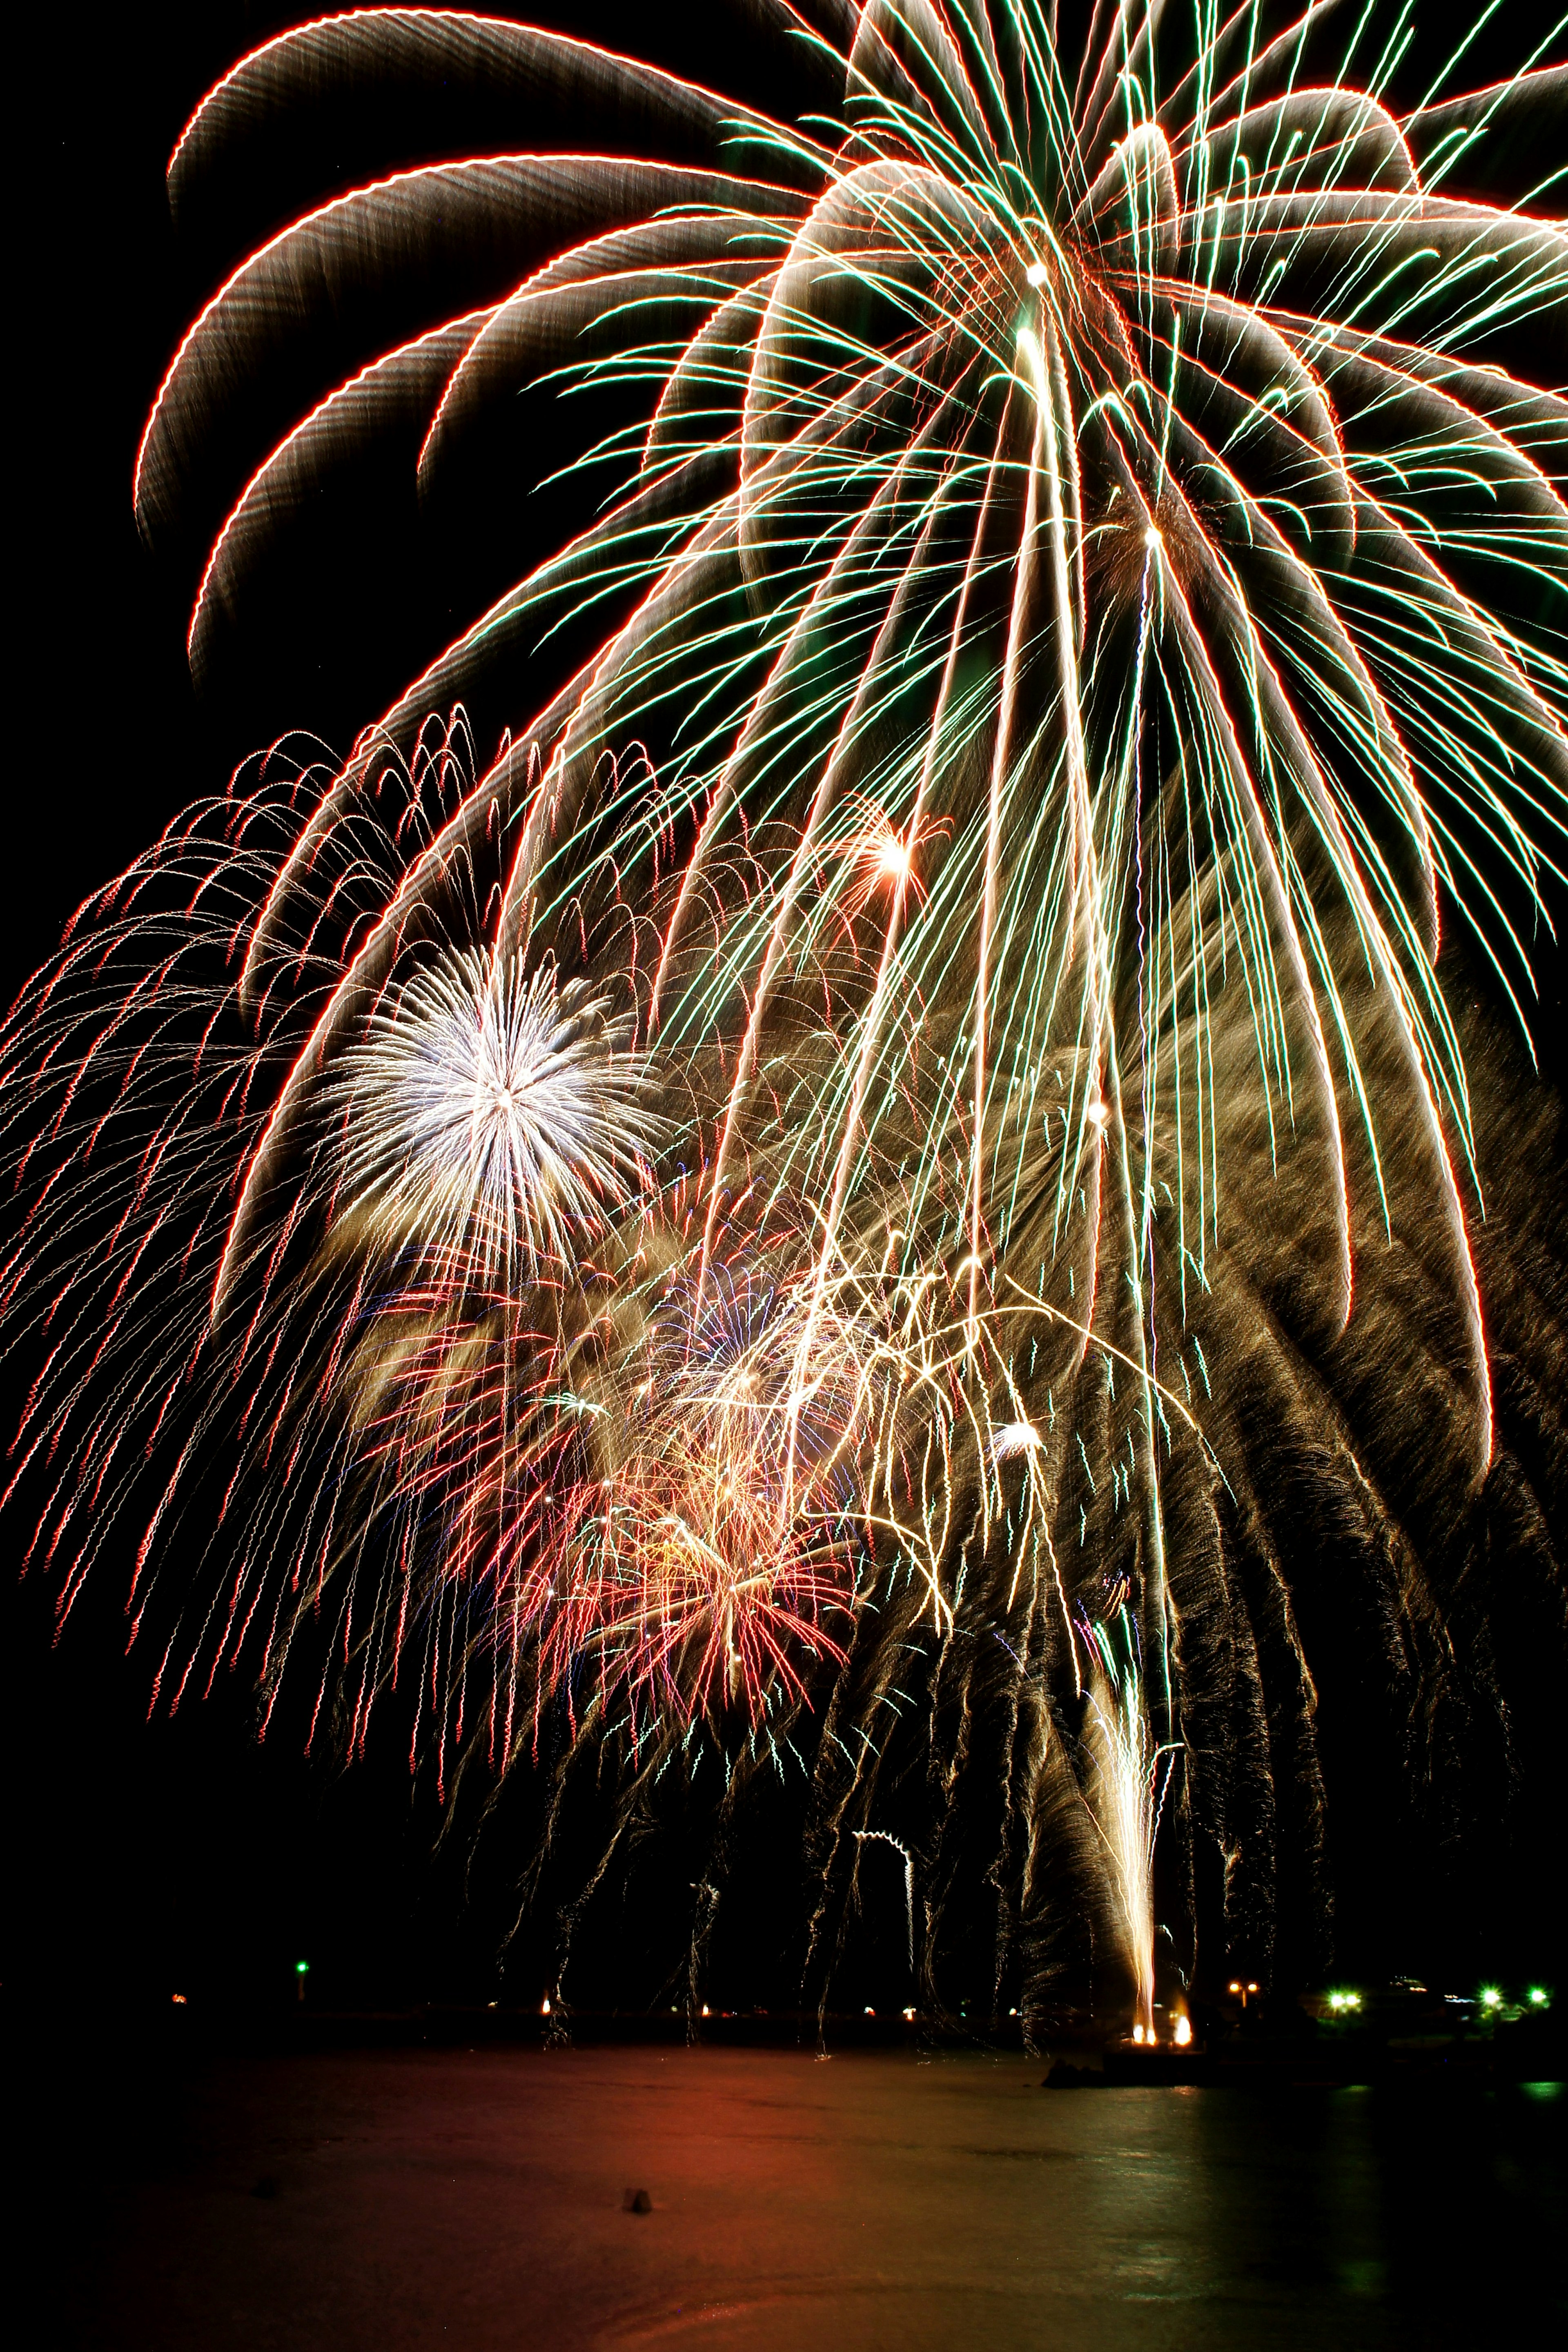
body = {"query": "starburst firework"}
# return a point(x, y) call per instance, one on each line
point(493, 1118)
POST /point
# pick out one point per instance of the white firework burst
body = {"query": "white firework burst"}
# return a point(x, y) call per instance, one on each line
point(495, 1118)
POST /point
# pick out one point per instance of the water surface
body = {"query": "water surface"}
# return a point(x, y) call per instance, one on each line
point(865, 2203)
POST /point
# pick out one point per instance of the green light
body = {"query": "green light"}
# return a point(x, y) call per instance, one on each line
point(1490, 1996)
point(301, 1968)
point(1540, 1997)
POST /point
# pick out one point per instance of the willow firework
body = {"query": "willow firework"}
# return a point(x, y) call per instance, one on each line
point(1066, 591)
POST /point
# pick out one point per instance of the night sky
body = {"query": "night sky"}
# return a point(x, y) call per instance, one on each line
point(148, 1857)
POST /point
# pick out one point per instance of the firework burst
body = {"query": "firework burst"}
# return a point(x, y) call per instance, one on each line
point(493, 1119)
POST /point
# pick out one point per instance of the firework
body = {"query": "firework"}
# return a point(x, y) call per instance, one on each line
point(1128, 1781)
point(491, 1119)
point(1072, 594)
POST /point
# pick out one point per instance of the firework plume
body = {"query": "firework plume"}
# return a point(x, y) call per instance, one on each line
point(852, 1089)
